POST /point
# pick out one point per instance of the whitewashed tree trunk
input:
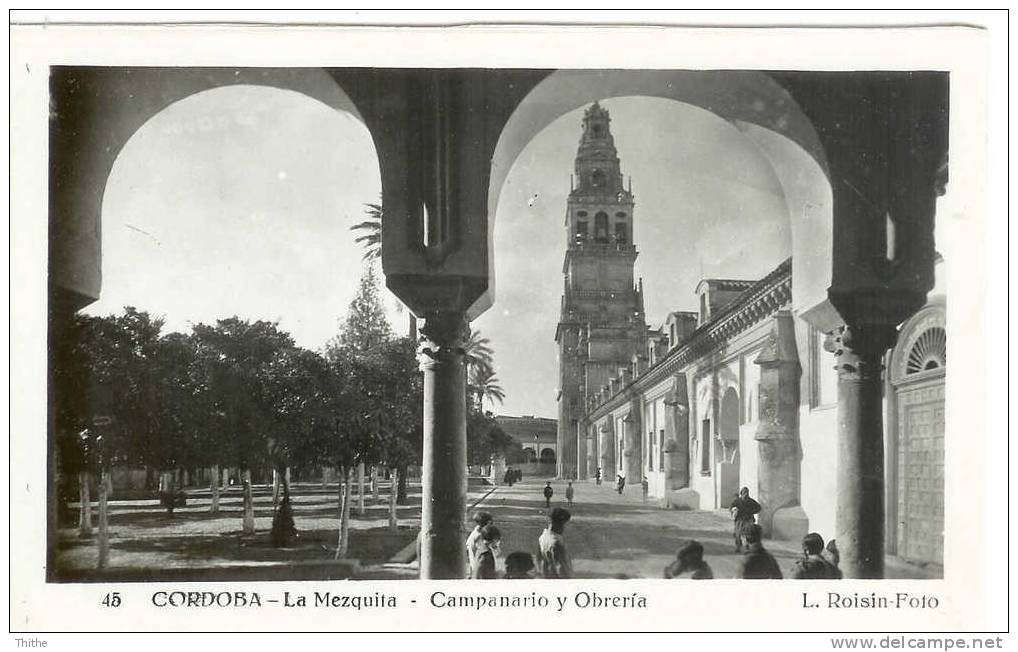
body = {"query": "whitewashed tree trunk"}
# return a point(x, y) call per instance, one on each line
point(214, 487)
point(375, 476)
point(286, 480)
point(249, 522)
point(393, 490)
point(325, 477)
point(275, 489)
point(343, 544)
point(85, 510)
point(360, 489)
point(226, 477)
point(104, 533)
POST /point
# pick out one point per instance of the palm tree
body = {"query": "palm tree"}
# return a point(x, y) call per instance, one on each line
point(371, 232)
point(371, 239)
point(484, 384)
point(477, 351)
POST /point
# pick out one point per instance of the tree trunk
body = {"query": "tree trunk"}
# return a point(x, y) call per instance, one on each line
point(226, 477)
point(360, 489)
point(104, 534)
point(85, 510)
point(401, 475)
point(286, 479)
point(343, 543)
point(275, 489)
point(214, 486)
point(249, 522)
point(375, 477)
point(325, 477)
point(392, 501)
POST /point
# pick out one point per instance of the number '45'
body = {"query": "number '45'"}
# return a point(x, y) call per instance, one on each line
point(111, 600)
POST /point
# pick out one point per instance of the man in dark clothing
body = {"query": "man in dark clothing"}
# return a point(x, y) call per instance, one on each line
point(548, 493)
point(744, 510)
point(756, 563)
point(813, 565)
point(597, 476)
point(620, 483)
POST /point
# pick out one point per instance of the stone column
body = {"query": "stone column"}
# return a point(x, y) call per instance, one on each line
point(677, 435)
point(591, 452)
point(860, 480)
point(631, 447)
point(606, 444)
point(444, 472)
point(777, 434)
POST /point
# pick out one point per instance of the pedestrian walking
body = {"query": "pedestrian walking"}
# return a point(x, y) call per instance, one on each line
point(555, 563)
point(548, 493)
point(689, 564)
point(744, 510)
point(519, 566)
point(620, 483)
point(645, 487)
point(757, 563)
point(597, 476)
point(813, 565)
point(491, 541)
point(569, 493)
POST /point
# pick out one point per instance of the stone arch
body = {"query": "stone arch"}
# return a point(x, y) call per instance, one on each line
point(92, 127)
point(762, 109)
point(547, 456)
point(728, 426)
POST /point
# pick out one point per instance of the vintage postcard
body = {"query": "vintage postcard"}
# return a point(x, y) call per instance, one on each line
point(316, 327)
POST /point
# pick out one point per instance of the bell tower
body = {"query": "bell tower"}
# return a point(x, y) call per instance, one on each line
point(602, 324)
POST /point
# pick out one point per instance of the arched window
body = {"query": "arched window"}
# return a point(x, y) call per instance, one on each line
point(620, 233)
point(598, 129)
point(547, 456)
point(597, 178)
point(601, 227)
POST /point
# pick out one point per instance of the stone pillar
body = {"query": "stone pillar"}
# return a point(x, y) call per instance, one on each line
point(631, 447)
point(677, 435)
point(444, 472)
point(777, 434)
point(591, 452)
point(860, 480)
point(606, 444)
point(581, 451)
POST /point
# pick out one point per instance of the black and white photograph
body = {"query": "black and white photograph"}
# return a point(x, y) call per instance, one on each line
point(418, 320)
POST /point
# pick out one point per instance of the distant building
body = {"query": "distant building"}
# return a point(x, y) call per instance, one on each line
point(538, 437)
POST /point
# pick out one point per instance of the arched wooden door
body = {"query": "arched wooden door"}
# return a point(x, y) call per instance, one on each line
point(918, 369)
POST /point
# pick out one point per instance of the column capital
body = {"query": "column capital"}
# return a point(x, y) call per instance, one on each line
point(442, 337)
point(859, 349)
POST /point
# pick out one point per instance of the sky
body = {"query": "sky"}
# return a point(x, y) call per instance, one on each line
point(238, 201)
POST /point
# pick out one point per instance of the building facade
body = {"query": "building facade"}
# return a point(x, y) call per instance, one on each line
point(538, 437)
point(601, 326)
point(748, 397)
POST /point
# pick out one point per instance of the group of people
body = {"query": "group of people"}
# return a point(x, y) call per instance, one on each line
point(484, 548)
point(816, 563)
point(548, 492)
point(512, 476)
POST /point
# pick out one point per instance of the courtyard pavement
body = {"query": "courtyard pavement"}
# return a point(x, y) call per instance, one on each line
point(609, 535)
point(621, 536)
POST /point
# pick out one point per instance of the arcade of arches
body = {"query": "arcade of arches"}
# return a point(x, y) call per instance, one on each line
point(445, 140)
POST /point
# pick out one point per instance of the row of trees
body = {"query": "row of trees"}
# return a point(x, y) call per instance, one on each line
point(242, 394)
